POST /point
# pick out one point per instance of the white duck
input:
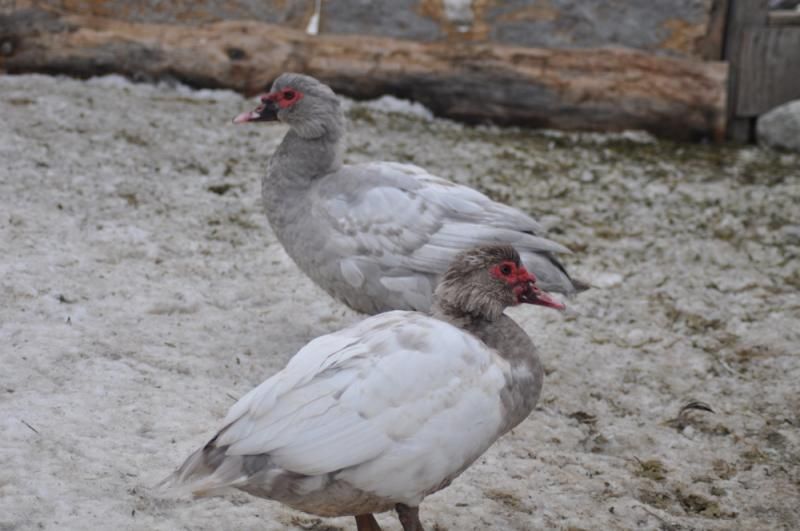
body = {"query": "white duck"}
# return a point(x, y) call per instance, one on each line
point(385, 412)
point(377, 236)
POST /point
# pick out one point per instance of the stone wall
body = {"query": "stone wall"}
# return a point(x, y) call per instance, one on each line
point(678, 28)
point(682, 28)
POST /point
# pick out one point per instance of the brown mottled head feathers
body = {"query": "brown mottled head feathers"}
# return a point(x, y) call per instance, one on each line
point(468, 289)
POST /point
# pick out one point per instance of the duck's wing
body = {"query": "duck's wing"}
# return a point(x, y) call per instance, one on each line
point(396, 384)
point(401, 223)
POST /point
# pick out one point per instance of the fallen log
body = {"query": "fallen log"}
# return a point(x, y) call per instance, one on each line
point(591, 89)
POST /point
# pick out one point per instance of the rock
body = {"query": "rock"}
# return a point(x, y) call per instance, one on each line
point(780, 127)
point(791, 233)
point(607, 280)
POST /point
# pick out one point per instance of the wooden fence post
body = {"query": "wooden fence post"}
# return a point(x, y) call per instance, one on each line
point(742, 15)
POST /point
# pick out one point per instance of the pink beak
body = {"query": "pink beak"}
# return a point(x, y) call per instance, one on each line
point(266, 112)
point(528, 292)
point(531, 294)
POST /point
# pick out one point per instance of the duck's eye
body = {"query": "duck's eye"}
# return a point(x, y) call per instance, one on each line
point(505, 269)
point(288, 95)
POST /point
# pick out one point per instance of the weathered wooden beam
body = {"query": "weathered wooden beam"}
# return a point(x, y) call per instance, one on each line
point(596, 89)
point(742, 16)
point(770, 58)
point(713, 45)
point(784, 17)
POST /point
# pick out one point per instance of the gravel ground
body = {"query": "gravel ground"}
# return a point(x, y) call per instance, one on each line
point(143, 292)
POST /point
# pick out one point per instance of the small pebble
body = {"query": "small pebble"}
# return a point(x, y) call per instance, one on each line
point(607, 280)
point(791, 233)
point(636, 338)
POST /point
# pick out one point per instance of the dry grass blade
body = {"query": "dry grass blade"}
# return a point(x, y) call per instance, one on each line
point(683, 420)
point(694, 404)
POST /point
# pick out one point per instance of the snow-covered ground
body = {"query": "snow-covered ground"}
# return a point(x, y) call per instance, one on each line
point(142, 292)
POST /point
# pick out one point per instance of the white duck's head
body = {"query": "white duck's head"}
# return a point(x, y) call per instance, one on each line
point(484, 281)
point(308, 106)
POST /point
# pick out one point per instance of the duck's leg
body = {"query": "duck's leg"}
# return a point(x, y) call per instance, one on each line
point(367, 522)
point(409, 517)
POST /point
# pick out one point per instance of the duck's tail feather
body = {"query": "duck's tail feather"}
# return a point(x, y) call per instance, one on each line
point(551, 275)
point(208, 471)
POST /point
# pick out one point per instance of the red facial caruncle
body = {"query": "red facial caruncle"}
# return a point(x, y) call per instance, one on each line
point(283, 98)
point(271, 104)
point(524, 285)
point(511, 273)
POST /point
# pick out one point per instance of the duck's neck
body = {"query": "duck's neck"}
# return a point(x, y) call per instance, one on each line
point(512, 343)
point(297, 163)
point(451, 313)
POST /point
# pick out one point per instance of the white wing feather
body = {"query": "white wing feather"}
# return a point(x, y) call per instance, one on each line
point(409, 224)
point(377, 395)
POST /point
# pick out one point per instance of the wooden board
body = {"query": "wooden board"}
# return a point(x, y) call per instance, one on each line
point(784, 18)
point(769, 63)
point(741, 16)
point(713, 46)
